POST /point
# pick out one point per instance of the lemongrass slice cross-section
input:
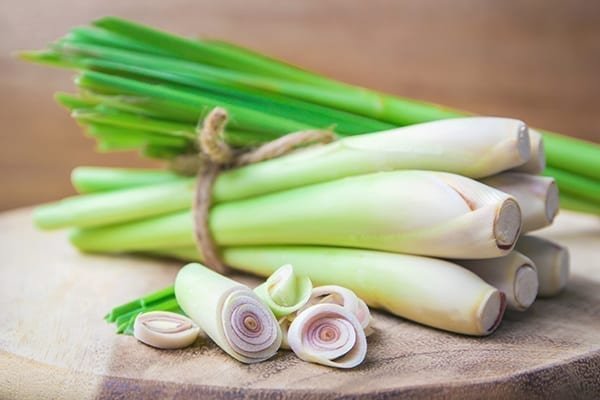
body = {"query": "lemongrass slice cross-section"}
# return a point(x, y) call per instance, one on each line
point(165, 330)
point(551, 260)
point(515, 275)
point(284, 291)
point(230, 313)
point(328, 334)
point(346, 298)
point(537, 196)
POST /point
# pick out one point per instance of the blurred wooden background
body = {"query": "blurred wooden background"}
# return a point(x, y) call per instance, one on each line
point(537, 60)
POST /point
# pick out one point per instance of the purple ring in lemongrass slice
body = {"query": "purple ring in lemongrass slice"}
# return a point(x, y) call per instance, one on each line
point(328, 334)
point(346, 298)
point(165, 330)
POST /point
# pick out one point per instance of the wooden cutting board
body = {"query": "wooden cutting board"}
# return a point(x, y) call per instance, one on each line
point(55, 344)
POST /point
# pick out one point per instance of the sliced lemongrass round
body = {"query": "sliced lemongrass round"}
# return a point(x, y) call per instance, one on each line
point(551, 260)
point(284, 291)
point(537, 196)
point(229, 312)
point(515, 275)
point(328, 334)
point(344, 297)
point(165, 330)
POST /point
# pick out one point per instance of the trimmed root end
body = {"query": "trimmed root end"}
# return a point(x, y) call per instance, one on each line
point(526, 286)
point(523, 143)
point(507, 224)
point(552, 202)
point(491, 311)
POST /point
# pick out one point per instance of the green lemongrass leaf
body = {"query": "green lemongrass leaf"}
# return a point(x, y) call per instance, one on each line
point(193, 50)
point(580, 204)
point(108, 116)
point(98, 36)
point(72, 102)
point(573, 155)
point(102, 179)
point(134, 138)
point(232, 85)
point(145, 301)
point(575, 185)
point(284, 291)
point(240, 117)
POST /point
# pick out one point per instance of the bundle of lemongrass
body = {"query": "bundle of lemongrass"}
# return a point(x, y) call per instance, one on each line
point(366, 212)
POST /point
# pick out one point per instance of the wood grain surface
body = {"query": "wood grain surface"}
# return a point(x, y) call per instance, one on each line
point(536, 60)
point(55, 345)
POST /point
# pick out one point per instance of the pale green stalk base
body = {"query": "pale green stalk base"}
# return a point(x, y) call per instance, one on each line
point(551, 260)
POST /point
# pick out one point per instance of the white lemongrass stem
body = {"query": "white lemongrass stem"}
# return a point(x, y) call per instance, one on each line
point(515, 275)
point(229, 312)
point(284, 291)
point(537, 196)
point(430, 291)
point(419, 212)
point(344, 297)
point(328, 334)
point(551, 260)
point(165, 330)
point(475, 147)
point(537, 162)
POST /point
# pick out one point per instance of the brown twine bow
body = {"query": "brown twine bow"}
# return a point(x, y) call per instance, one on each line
point(215, 156)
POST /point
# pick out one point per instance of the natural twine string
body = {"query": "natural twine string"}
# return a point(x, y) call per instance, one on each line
point(215, 156)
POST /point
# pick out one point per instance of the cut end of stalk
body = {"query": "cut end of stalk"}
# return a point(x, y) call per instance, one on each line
point(526, 286)
point(552, 202)
point(523, 143)
point(491, 311)
point(507, 224)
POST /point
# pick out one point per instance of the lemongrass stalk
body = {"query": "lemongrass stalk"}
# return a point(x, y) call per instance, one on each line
point(473, 146)
point(537, 161)
point(537, 196)
point(111, 207)
point(284, 292)
point(576, 203)
point(514, 275)
point(328, 334)
point(141, 303)
point(101, 179)
point(420, 289)
point(429, 291)
point(551, 260)
point(229, 312)
point(575, 185)
point(417, 212)
point(126, 139)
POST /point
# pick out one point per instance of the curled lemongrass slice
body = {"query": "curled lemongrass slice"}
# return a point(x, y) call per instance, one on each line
point(165, 330)
point(537, 196)
point(229, 312)
point(537, 161)
point(284, 325)
point(515, 275)
point(284, 291)
point(346, 298)
point(551, 260)
point(328, 334)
